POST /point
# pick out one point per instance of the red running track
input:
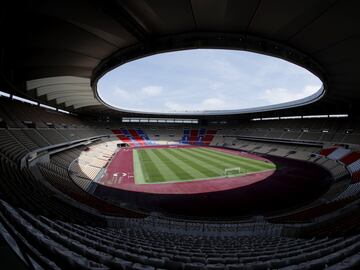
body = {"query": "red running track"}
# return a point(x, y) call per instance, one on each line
point(122, 164)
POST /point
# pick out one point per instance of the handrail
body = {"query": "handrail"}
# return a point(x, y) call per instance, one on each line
point(287, 141)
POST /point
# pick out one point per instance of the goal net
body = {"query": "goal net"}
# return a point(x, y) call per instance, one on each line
point(230, 172)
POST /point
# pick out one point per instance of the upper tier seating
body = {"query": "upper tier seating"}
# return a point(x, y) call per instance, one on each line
point(339, 153)
point(354, 167)
point(350, 158)
point(330, 130)
point(15, 116)
point(327, 151)
point(200, 136)
point(10, 146)
point(355, 177)
point(133, 137)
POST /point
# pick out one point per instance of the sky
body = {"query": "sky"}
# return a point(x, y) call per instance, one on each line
point(205, 79)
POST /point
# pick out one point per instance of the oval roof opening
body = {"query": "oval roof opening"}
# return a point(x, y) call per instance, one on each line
point(207, 81)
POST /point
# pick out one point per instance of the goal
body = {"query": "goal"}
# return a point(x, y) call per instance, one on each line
point(231, 172)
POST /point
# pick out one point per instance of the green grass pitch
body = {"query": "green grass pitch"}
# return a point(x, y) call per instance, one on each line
point(160, 165)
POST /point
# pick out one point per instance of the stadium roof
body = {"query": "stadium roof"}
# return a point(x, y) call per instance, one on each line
point(54, 51)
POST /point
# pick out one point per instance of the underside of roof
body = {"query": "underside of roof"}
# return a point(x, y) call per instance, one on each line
point(54, 51)
point(68, 91)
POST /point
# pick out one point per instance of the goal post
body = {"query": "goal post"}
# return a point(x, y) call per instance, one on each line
point(231, 172)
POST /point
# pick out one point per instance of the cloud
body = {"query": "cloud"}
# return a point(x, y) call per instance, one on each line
point(225, 70)
point(122, 93)
point(213, 104)
point(206, 104)
point(198, 80)
point(151, 90)
point(173, 106)
point(281, 95)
